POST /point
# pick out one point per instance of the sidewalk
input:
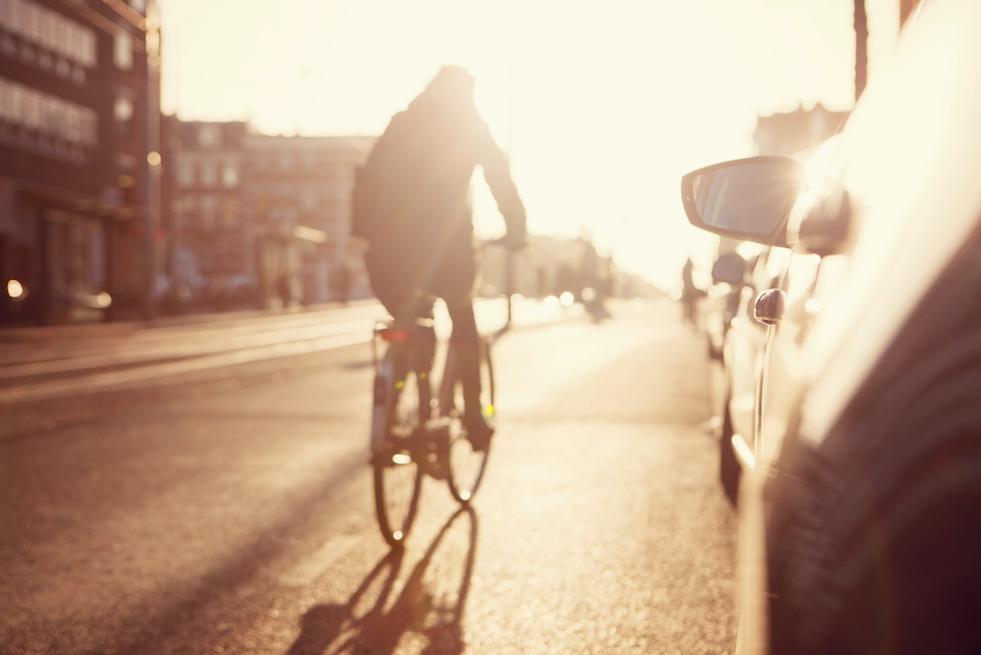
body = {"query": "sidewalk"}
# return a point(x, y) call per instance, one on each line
point(34, 333)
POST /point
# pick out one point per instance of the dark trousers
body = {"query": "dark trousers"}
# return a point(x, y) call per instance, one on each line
point(407, 297)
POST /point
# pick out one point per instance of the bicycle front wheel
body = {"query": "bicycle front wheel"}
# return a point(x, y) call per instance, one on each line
point(396, 471)
point(466, 465)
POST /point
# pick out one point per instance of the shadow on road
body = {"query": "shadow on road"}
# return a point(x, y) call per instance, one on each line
point(369, 623)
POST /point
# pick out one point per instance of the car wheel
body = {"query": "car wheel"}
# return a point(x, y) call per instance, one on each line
point(906, 581)
point(873, 540)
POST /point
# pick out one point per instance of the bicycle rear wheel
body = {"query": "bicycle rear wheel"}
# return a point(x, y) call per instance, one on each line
point(396, 471)
point(465, 465)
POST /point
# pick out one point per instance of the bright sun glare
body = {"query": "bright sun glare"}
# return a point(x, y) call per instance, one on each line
point(603, 105)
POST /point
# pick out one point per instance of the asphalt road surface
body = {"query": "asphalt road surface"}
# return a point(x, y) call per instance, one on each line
point(233, 513)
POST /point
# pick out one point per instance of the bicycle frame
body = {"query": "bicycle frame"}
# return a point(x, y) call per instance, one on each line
point(388, 373)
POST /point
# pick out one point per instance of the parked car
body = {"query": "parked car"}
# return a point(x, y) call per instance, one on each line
point(783, 274)
point(860, 509)
point(721, 301)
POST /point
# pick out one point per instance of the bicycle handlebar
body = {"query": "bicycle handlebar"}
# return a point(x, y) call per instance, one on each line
point(503, 242)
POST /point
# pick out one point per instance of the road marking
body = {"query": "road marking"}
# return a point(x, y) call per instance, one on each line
point(319, 562)
point(193, 346)
point(152, 373)
point(156, 373)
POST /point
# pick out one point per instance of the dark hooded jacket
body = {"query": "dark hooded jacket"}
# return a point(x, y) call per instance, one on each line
point(412, 199)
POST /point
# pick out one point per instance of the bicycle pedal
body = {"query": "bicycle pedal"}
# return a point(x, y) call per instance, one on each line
point(393, 449)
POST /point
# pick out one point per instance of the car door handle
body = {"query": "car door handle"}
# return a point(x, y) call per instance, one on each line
point(769, 306)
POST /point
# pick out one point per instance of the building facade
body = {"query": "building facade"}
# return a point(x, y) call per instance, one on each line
point(259, 221)
point(298, 198)
point(77, 81)
point(796, 132)
point(209, 245)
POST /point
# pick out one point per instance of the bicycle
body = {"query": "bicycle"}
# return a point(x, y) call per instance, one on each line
point(413, 434)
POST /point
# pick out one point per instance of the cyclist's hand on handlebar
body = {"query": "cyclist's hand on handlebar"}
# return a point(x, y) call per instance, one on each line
point(514, 240)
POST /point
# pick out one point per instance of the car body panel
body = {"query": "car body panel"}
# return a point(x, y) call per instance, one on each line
point(892, 198)
point(744, 352)
point(907, 165)
point(781, 375)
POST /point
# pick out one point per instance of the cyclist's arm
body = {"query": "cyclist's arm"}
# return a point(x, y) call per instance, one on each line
point(498, 176)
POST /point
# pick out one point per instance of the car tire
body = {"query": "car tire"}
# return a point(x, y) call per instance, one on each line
point(873, 542)
point(905, 582)
point(730, 470)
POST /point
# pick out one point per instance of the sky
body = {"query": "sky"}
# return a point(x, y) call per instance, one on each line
point(602, 105)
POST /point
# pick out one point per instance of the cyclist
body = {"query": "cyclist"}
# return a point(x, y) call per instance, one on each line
point(412, 207)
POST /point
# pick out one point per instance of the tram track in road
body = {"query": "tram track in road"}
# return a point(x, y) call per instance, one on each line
point(33, 369)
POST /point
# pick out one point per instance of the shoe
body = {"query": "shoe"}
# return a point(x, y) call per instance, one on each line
point(479, 431)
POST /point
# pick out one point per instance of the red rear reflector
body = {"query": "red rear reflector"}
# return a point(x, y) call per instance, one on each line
point(392, 335)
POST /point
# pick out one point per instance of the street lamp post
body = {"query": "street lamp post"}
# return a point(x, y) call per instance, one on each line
point(153, 160)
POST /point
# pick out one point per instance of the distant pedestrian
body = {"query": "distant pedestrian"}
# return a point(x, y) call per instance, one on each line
point(689, 292)
point(342, 283)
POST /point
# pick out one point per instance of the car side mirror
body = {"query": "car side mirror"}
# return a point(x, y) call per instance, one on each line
point(746, 199)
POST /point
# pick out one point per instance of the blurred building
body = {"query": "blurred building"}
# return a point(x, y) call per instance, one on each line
point(210, 245)
point(78, 98)
point(551, 266)
point(298, 198)
point(790, 134)
point(795, 132)
point(259, 221)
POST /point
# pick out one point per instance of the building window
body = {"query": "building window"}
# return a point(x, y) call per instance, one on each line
point(57, 35)
point(209, 176)
point(209, 136)
point(123, 51)
point(88, 57)
point(185, 173)
point(123, 109)
point(229, 175)
point(123, 113)
point(47, 115)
